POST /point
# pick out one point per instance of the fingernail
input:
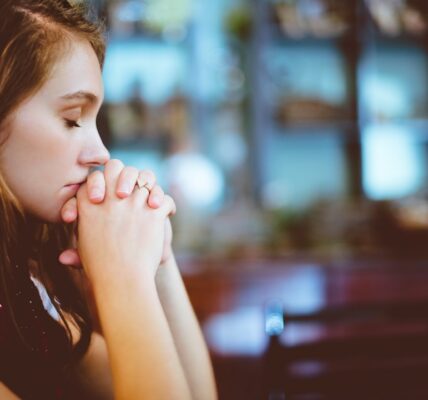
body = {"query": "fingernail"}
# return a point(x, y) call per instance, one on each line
point(155, 199)
point(63, 259)
point(96, 194)
point(69, 214)
point(125, 188)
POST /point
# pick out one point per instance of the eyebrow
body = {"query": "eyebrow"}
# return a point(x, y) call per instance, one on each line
point(81, 95)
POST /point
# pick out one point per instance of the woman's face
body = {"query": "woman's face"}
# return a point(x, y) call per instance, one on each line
point(53, 140)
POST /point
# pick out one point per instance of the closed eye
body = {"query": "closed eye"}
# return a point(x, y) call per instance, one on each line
point(71, 124)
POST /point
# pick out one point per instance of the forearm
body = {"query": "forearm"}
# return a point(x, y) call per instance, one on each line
point(184, 326)
point(143, 358)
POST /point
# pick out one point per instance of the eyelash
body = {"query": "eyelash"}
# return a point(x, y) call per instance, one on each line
point(71, 124)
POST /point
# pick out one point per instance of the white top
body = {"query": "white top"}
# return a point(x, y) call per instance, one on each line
point(47, 303)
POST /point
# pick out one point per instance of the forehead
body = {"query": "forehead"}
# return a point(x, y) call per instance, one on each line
point(76, 70)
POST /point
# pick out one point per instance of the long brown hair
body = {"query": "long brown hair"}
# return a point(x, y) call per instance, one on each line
point(33, 35)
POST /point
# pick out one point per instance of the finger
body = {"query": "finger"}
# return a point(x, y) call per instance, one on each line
point(147, 177)
point(156, 197)
point(168, 206)
point(70, 257)
point(112, 170)
point(146, 181)
point(69, 210)
point(140, 196)
point(126, 181)
point(96, 186)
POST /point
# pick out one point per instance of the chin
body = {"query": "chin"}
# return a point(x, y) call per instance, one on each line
point(56, 219)
point(46, 216)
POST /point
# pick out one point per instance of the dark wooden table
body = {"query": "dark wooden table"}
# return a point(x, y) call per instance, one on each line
point(230, 297)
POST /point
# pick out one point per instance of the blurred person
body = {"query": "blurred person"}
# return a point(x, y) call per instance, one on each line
point(65, 228)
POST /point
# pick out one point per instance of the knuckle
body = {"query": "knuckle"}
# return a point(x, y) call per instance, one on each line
point(157, 189)
point(96, 177)
point(131, 169)
point(99, 175)
point(92, 177)
point(114, 163)
point(169, 204)
point(169, 199)
point(149, 174)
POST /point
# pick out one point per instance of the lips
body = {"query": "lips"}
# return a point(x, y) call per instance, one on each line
point(77, 183)
point(73, 189)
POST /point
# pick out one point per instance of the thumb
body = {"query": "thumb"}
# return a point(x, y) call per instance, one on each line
point(69, 211)
point(71, 258)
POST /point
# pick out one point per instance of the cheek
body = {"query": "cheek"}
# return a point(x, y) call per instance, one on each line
point(35, 162)
point(31, 155)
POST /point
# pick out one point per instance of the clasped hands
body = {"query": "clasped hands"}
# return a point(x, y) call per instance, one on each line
point(96, 190)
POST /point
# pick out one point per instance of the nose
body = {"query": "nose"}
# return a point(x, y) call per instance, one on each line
point(94, 152)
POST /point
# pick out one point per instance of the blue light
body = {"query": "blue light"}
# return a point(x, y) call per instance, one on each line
point(393, 162)
point(156, 70)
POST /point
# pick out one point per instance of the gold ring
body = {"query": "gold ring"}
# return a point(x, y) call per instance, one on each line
point(143, 184)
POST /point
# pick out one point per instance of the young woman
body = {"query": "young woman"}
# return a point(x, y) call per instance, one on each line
point(114, 223)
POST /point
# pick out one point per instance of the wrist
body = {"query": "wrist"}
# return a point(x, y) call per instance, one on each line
point(166, 271)
point(166, 262)
point(110, 282)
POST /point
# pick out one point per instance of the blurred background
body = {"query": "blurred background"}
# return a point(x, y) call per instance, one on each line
point(293, 136)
